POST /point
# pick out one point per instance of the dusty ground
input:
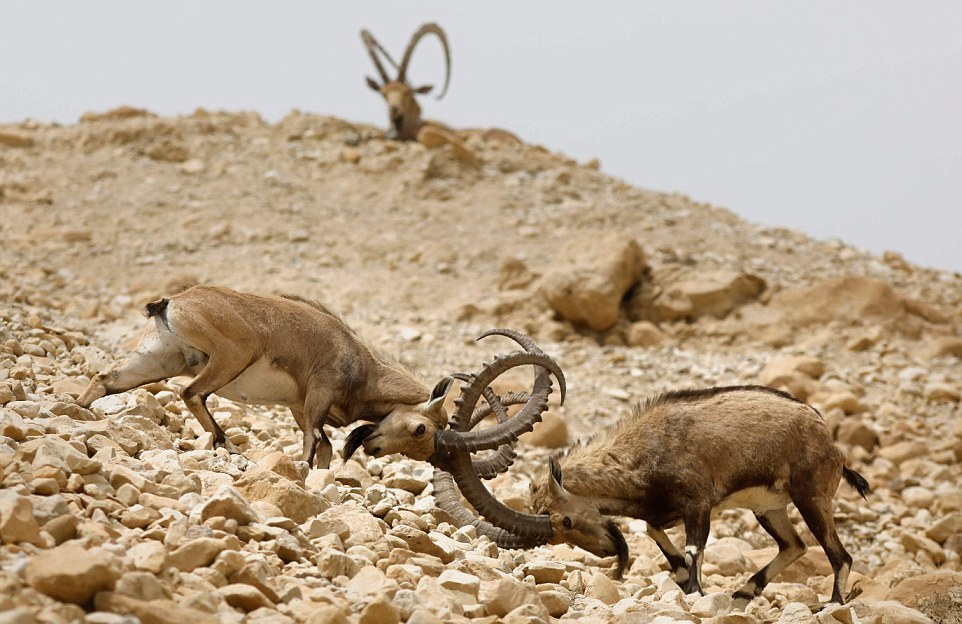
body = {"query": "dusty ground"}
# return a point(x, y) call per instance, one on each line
point(420, 254)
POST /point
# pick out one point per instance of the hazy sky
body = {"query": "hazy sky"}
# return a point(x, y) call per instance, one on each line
point(839, 119)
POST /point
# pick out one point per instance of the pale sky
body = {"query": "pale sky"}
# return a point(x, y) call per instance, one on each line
point(838, 119)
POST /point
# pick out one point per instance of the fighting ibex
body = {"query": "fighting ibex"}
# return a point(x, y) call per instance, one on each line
point(404, 113)
point(676, 458)
point(276, 351)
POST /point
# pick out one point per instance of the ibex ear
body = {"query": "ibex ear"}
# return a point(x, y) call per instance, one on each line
point(556, 482)
point(424, 90)
point(373, 84)
point(435, 405)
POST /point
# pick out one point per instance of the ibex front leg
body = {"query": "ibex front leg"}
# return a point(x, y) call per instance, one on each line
point(697, 522)
point(221, 369)
point(317, 447)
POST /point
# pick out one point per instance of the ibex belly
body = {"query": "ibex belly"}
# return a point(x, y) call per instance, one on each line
point(758, 499)
point(263, 384)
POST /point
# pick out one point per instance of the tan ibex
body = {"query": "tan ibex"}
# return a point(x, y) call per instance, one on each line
point(675, 459)
point(404, 112)
point(277, 351)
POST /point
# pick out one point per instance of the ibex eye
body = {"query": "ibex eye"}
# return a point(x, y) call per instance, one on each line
point(420, 431)
point(566, 522)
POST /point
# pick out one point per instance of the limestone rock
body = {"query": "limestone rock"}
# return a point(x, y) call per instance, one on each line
point(545, 571)
point(941, 391)
point(854, 432)
point(903, 451)
point(504, 596)
point(244, 597)
point(327, 614)
point(295, 502)
point(727, 555)
point(17, 522)
point(379, 611)
point(227, 502)
point(586, 285)
point(153, 611)
point(196, 553)
point(692, 294)
point(460, 582)
point(945, 527)
point(937, 594)
point(849, 299)
point(797, 613)
point(645, 334)
point(603, 588)
point(793, 373)
point(72, 573)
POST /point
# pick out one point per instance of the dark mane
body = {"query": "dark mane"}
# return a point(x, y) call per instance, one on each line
point(379, 355)
point(317, 305)
point(678, 396)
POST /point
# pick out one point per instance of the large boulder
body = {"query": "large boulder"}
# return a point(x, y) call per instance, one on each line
point(688, 294)
point(590, 278)
point(852, 300)
point(937, 594)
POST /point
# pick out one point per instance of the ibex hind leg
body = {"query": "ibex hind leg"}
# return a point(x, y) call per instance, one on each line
point(816, 509)
point(156, 357)
point(790, 548)
point(221, 369)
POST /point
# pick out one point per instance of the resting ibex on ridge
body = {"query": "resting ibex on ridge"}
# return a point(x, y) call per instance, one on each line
point(676, 458)
point(404, 113)
point(276, 351)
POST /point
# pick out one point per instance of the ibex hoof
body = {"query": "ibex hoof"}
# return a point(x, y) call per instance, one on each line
point(228, 446)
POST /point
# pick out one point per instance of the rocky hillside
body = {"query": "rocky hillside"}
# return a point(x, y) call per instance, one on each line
point(123, 511)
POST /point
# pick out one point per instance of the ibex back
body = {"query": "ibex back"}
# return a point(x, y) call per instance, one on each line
point(279, 351)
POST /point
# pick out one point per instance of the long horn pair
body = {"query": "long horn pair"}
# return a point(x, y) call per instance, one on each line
point(373, 47)
point(522, 422)
point(507, 527)
point(429, 28)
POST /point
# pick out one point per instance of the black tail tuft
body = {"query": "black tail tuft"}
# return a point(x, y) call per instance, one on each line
point(155, 308)
point(857, 481)
point(159, 309)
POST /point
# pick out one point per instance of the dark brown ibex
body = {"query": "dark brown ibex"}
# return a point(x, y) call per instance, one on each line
point(676, 458)
point(404, 112)
point(277, 351)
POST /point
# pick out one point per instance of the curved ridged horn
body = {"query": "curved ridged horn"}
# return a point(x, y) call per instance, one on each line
point(422, 31)
point(449, 499)
point(483, 411)
point(500, 460)
point(373, 47)
point(525, 341)
point(525, 528)
point(520, 423)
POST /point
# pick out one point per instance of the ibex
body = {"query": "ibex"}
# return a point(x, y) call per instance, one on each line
point(676, 458)
point(278, 351)
point(404, 113)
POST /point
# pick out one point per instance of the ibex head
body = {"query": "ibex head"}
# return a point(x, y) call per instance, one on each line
point(575, 520)
point(423, 436)
point(408, 429)
point(404, 113)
